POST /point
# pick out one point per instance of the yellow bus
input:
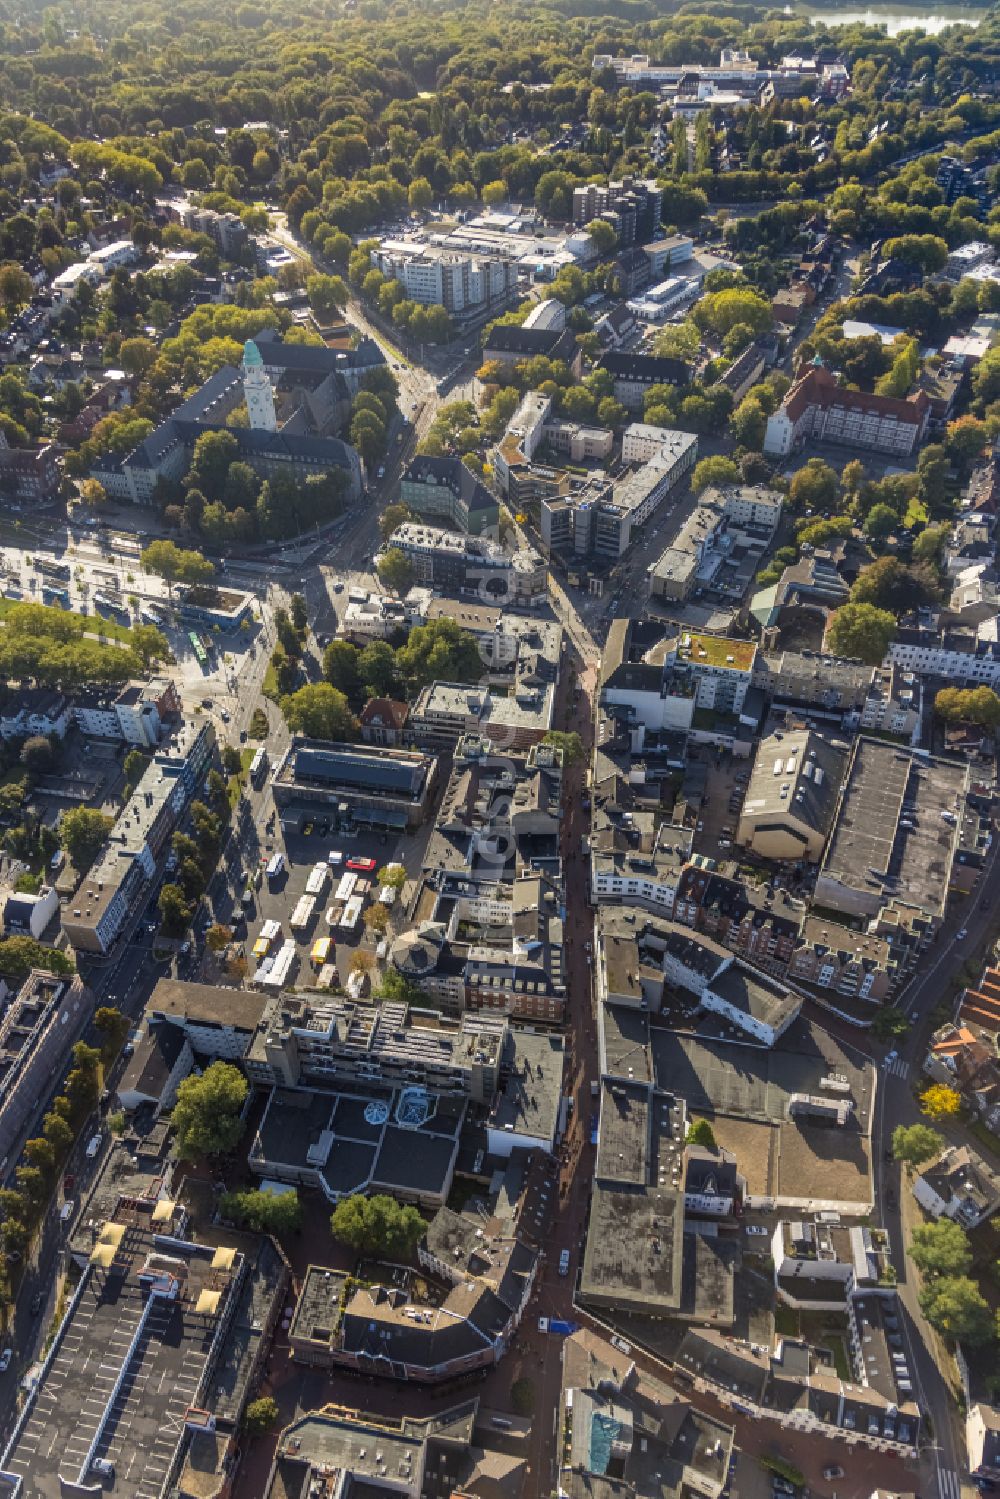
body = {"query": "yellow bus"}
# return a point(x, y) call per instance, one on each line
point(321, 951)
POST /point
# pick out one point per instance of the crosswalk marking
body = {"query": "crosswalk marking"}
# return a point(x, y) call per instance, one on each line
point(949, 1486)
point(898, 1067)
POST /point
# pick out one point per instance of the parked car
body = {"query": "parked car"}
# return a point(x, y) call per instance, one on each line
point(834, 1471)
point(5, 1359)
point(564, 1262)
point(37, 1302)
point(756, 1228)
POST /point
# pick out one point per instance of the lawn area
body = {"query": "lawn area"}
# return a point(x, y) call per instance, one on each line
point(786, 1320)
point(984, 1135)
point(269, 686)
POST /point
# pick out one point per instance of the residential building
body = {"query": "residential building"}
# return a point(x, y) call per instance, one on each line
point(633, 374)
point(795, 1389)
point(445, 711)
point(849, 963)
point(482, 1270)
point(811, 680)
point(793, 795)
point(468, 286)
point(28, 914)
point(634, 857)
point(437, 489)
point(110, 895)
point(760, 924)
point(746, 369)
point(34, 710)
point(720, 546)
point(818, 409)
point(360, 787)
point(378, 616)
point(137, 714)
point(966, 1060)
point(632, 207)
point(444, 1451)
point(606, 519)
point(186, 1026)
point(662, 681)
point(630, 1432)
point(39, 1026)
point(960, 1185)
point(28, 474)
point(818, 1265)
point(383, 722)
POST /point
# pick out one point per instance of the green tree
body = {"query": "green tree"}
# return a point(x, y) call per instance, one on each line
point(700, 1132)
point(716, 472)
point(175, 912)
point(327, 296)
point(941, 1248)
point(814, 486)
point(377, 1225)
point(299, 612)
point(393, 875)
point(19, 955)
point(260, 1415)
point(264, 1212)
point(420, 195)
point(880, 522)
point(722, 310)
point(319, 711)
point(392, 517)
point(603, 236)
point(112, 1026)
point(890, 584)
point(218, 937)
point(37, 754)
point(954, 1306)
point(748, 424)
point(395, 570)
point(571, 745)
point(861, 631)
point(175, 565)
point(340, 667)
point(439, 651)
point(83, 832)
point(377, 669)
point(207, 1114)
point(133, 766)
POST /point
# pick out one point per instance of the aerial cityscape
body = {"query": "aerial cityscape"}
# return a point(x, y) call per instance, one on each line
point(499, 716)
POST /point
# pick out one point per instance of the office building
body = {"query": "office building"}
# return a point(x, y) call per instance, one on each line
point(443, 489)
point(469, 287)
point(471, 566)
point(40, 1024)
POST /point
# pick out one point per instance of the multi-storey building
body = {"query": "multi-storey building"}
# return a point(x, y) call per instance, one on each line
point(466, 286)
point(632, 207)
point(470, 565)
point(443, 489)
point(39, 1026)
point(30, 474)
point(818, 409)
point(117, 883)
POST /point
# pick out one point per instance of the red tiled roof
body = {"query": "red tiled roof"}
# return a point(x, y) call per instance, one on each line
point(982, 1006)
point(818, 388)
point(384, 710)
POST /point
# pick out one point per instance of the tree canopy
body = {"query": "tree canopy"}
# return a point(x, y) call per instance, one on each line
point(207, 1114)
point(377, 1225)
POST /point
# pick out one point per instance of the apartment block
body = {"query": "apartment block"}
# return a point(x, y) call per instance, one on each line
point(119, 880)
point(467, 286)
point(39, 1026)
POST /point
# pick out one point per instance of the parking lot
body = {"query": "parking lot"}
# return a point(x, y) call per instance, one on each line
point(727, 779)
point(330, 853)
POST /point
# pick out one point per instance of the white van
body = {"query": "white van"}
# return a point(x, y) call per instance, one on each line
point(67, 1210)
point(93, 1146)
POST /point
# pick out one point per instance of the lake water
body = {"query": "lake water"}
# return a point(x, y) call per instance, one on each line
point(896, 18)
